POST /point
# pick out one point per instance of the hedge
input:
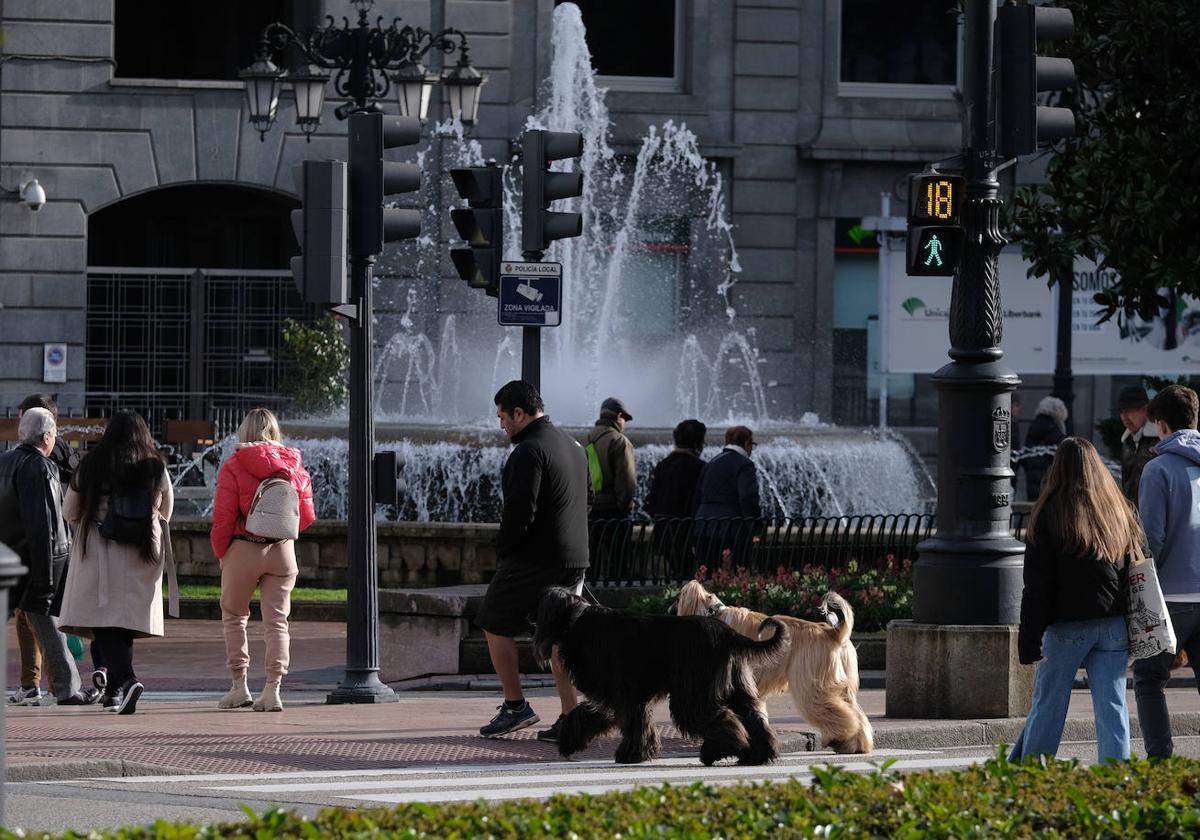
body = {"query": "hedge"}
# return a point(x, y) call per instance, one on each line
point(1042, 799)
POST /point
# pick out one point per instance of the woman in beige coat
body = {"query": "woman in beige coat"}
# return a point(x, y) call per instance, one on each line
point(119, 502)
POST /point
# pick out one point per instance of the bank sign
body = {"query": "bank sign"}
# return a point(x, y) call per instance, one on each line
point(919, 337)
point(919, 328)
point(530, 294)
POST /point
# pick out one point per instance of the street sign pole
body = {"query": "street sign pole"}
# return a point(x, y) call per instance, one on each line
point(531, 343)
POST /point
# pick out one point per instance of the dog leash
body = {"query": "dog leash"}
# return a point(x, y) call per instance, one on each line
point(589, 596)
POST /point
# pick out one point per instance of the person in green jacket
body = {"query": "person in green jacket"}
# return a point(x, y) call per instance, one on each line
point(614, 481)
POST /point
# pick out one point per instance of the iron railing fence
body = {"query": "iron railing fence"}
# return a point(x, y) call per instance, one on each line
point(668, 551)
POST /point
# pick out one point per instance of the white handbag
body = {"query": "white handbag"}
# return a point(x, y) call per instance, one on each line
point(1146, 615)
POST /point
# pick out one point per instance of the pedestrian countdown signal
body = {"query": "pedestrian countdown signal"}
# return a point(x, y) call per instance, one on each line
point(935, 234)
point(935, 199)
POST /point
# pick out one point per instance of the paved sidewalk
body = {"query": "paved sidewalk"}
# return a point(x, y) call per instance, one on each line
point(178, 729)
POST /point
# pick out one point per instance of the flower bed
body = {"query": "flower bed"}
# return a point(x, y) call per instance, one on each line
point(878, 592)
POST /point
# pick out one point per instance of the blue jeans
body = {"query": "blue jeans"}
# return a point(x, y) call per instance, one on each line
point(1150, 678)
point(1101, 646)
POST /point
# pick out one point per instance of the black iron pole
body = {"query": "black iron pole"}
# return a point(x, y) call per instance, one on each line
point(970, 571)
point(11, 571)
point(361, 683)
point(1064, 377)
point(531, 341)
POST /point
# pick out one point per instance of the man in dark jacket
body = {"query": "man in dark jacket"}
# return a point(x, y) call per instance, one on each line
point(671, 497)
point(31, 523)
point(727, 506)
point(542, 543)
point(1139, 440)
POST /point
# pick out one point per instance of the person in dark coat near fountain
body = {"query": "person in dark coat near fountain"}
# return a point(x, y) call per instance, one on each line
point(1048, 429)
point(728, 510)
point(671, 498)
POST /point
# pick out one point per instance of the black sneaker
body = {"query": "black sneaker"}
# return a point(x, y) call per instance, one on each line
point(83, 697)
point(130, 692)
point(111, 700)
point(550, 736)
point(509, 720)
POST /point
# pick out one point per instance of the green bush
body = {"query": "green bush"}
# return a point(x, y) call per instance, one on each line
point(878, 592)
point(994, 800)
point(318, 360)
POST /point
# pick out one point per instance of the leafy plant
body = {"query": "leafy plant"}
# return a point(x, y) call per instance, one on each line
point(878, 592)
point(1116, 193)
point(318, 361)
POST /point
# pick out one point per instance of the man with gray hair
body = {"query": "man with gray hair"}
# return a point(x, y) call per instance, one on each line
point(31, 524)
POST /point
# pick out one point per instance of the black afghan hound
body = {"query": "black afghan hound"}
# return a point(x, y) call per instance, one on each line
point(623, 662)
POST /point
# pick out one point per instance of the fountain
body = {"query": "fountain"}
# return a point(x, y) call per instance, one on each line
point(648, 315)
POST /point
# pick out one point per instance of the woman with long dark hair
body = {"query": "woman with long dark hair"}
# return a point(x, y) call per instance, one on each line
point(1083, 536)
point(120, 502)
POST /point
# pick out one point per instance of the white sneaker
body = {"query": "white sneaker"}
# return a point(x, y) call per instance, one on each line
point(238, 696)
point(25, 696)
point(269, 700)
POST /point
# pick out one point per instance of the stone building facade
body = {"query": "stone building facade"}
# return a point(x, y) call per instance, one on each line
point(809, 118)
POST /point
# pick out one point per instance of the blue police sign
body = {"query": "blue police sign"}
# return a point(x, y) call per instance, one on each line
point(530, 294)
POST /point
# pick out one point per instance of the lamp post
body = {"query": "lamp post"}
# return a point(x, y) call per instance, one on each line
point(957, 658)
point(364, 62)
point(10, 572)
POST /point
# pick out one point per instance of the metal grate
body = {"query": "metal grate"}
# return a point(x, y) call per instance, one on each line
point(186, 343)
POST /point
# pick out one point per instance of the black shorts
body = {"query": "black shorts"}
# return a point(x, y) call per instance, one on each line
point(512, 597)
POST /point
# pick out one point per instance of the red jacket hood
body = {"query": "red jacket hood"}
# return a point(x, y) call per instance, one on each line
point(265, 459)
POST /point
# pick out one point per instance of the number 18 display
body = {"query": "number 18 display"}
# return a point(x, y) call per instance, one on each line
point(934, 224)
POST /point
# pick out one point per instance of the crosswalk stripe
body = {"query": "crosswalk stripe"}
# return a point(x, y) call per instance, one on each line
point(452, 769)
point(512, 790)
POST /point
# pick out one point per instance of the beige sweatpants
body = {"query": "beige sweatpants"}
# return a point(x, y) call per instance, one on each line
point(271, 567)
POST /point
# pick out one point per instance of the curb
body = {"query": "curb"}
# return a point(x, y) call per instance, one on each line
point(101, 768)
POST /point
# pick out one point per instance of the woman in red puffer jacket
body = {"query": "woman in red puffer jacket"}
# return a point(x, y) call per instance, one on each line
point(249, 561)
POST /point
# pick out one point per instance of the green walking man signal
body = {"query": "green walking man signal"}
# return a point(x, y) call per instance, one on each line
point(935, 234)
point(934, 247)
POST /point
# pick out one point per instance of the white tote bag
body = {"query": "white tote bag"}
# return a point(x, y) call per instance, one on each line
point(1146, 616)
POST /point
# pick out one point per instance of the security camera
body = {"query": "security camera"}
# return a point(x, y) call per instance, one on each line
point(33, 194)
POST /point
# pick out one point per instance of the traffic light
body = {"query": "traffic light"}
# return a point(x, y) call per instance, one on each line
point(390, 488)
point(481, 224)
point(372, 178)
point(1021, 123)
point(935, 234)
point(540, 226)
point(320, 227)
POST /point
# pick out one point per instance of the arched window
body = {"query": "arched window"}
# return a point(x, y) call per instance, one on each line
point(187, 295)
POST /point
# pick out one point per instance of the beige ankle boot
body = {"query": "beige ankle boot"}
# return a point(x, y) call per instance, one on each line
point(269, 700)
point(238, 696)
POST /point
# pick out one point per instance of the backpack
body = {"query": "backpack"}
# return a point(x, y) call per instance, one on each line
point(594, 471)
point(275, 510)
point(130, 512)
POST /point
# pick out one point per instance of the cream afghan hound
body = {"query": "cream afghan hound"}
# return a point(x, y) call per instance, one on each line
point(820, 669)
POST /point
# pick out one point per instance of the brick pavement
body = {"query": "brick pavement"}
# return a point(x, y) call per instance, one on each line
point(187, 733)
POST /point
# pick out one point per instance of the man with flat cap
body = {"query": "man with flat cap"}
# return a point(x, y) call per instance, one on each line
point(1139, 440)
point(614, 480)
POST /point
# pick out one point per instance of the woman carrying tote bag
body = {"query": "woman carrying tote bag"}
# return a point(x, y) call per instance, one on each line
point(1083, 535)
point(119, 502)
point(263, 501)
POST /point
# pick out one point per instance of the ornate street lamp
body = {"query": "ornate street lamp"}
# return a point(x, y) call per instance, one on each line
point(364, 62)
point(463, 83)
